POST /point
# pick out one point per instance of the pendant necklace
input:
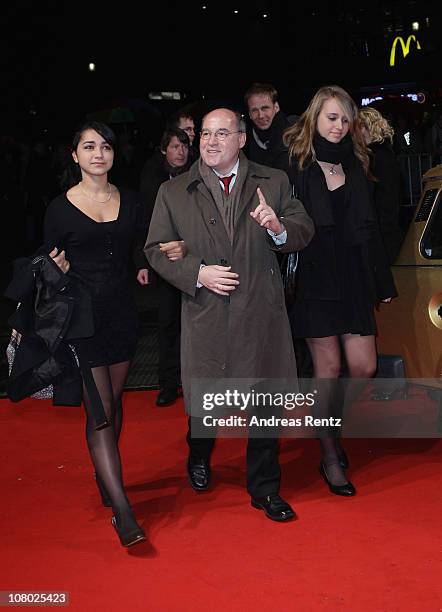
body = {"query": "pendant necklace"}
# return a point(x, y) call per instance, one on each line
point(109, 195)
point(332, 170)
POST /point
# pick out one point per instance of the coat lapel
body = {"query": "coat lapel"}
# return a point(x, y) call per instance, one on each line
point(208, 209)
point(255, 178)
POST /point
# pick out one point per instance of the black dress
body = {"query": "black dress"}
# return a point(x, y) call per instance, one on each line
point(352, 312)
point(100, 259)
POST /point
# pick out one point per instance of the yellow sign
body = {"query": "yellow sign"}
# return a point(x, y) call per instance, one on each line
point(405, 47)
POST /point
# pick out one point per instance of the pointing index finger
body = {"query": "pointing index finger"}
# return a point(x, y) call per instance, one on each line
point(261, 197)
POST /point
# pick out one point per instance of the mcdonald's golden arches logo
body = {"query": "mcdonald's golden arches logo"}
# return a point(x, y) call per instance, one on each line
point(405, 47)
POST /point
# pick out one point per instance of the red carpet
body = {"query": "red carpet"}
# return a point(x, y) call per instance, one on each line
point(380, 550)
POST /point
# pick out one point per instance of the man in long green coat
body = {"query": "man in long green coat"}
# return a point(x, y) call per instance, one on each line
point(233, 216)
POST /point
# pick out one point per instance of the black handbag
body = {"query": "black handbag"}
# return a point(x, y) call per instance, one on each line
point(11, 349)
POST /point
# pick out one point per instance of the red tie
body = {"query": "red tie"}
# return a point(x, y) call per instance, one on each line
point(226, 182)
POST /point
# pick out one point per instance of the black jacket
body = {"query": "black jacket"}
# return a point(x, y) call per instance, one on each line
point(152, 176)
point(275, 155)
point(317, 274)
point(53, 311)
point(387, 196)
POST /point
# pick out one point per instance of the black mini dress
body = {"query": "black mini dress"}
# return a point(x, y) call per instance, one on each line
point(353, 311)
point(100, 257)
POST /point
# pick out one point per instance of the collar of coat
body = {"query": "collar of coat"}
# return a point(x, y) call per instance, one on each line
point(255, 170)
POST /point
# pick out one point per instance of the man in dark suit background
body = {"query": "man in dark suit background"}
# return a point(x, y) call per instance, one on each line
point(171, 160)
point(264, 142)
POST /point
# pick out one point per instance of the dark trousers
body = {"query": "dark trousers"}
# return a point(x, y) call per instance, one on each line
point(263, 471)
point(169, 335)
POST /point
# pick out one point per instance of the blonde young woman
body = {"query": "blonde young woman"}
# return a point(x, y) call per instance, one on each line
point(378, 136)
point(343, 272)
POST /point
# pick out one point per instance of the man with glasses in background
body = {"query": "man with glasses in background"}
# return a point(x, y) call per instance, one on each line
point(183, 120)
point(233, 216)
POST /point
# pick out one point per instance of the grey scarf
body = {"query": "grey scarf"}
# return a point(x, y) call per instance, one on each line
point(227, 204)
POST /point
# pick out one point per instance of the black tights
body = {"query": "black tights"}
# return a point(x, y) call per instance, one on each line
point(103, 443)
point(360, 358)
point(330, 404)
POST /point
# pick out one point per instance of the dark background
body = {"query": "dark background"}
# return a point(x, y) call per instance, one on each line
point(212, 53)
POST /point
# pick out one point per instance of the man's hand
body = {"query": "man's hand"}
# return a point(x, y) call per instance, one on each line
point(218, 279)
point(143, 276)
point(265, 215)
point(175, 250)
point(60, 260)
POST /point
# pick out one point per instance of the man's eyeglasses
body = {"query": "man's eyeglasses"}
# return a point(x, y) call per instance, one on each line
point(219, 134)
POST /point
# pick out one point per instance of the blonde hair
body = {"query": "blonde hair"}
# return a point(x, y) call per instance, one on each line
point(376, 125)
point(299, 137)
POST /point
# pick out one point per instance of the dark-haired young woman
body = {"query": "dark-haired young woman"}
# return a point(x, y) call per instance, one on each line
point(96, 225)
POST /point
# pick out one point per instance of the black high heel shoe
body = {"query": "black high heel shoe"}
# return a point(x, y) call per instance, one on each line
point(347, 489)
point(105, 499)
point(128, 537)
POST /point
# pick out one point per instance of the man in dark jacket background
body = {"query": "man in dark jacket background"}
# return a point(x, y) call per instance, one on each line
point(183, 120)
point(264, 142)
point(169, 161)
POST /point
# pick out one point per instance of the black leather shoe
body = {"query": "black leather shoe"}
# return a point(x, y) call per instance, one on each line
point(199, 473)
point(347, 490)
point(128, 537)
point(274, 507)
point(167, 396)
